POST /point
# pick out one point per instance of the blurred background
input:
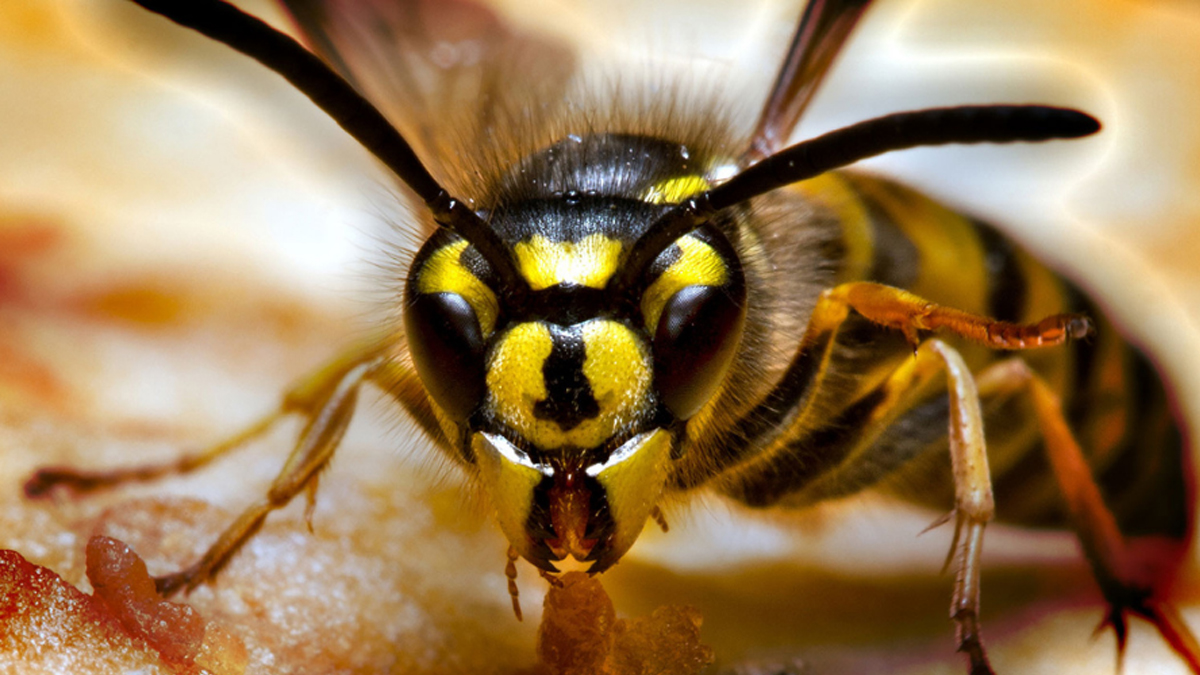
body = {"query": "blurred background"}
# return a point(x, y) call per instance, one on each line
point(181, 234)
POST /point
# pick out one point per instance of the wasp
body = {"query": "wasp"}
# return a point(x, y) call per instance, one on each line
point(613, 309)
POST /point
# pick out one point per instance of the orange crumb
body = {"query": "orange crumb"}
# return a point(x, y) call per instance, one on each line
point(665, 643)
point(123, 627)
point(38, 608)
point(576, 634)
point(581, 635)
point(176, 631)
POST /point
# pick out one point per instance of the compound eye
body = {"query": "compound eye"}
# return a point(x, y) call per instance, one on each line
point(447, 347)
point(697, 336)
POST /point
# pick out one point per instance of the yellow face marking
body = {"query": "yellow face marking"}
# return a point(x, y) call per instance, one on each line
point(514, 379)
point(675, 190)
point(444, 273)
point(700, 265)
point(617, 366)
point(618, 369)
point(510, 481)
point(587, 262)
point(633, 479)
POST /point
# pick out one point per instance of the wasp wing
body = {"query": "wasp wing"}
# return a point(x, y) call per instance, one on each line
point(823, 30)
point(444, 72)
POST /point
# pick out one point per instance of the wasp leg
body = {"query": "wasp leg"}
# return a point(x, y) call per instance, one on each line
point(813, 464)
point(326, 398)
point(825, 459)
point(303, 398)
point(1129, 571)
point(46, 479)
point(973, 502)
point(910, 314)
point(315, 447)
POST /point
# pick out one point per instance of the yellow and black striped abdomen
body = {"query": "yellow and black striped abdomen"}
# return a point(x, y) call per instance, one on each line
point(1115, 401)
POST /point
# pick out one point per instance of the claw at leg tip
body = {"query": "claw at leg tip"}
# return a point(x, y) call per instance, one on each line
point(940, 521)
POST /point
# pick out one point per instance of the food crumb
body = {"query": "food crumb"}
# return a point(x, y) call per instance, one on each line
point(176, 631)
point(581, 635)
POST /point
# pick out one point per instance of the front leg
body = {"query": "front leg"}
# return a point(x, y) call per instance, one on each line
point(325, 398)
point(321, 436)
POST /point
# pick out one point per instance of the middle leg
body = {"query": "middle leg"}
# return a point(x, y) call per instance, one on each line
point(845, 454)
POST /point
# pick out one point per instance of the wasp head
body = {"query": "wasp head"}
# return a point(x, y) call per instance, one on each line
point(568, 393)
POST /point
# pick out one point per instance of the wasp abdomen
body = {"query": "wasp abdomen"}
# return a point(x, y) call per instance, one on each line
point(837, 430)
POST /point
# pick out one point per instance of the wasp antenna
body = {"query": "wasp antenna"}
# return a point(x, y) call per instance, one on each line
point(340, 100)
point(821, 34)
point(899, 131)
point(845, 146)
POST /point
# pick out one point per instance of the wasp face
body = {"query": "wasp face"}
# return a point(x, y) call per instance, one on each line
point(567, 395)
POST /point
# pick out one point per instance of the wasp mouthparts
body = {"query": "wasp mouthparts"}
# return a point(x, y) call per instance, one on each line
point(569, 516)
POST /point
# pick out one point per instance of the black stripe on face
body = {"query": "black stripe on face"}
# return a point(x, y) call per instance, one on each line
point(569, 400)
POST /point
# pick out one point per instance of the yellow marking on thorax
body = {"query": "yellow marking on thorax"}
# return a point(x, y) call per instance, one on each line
point(444, 273)
point(699, 265)
point(514, 378)
point(587, 262)
point(675, 190)
point(617, 366)
point(835, 192)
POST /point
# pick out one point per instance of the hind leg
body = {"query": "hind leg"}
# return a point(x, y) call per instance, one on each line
point(1131, 572)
